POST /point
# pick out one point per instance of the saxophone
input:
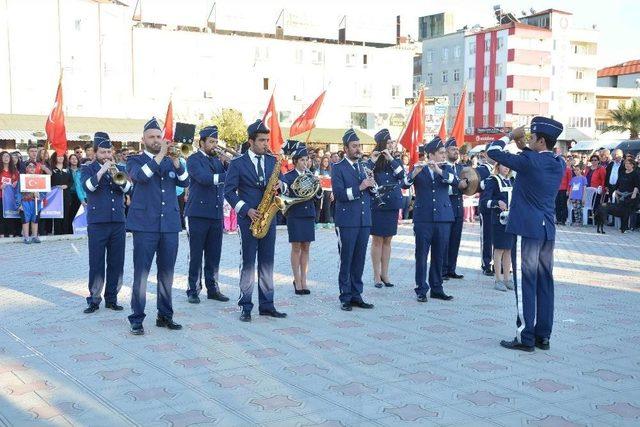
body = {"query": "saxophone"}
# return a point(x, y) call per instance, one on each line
point(269, 205)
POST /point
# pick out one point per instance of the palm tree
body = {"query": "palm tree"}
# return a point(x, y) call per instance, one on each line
point(626, 119)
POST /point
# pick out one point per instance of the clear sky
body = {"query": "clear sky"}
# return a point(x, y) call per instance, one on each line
point(618, 21)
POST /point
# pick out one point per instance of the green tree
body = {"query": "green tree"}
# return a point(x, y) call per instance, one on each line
point(231, 127)
point(626, 118)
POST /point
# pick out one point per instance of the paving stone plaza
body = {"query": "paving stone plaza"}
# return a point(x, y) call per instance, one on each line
point(403, 362)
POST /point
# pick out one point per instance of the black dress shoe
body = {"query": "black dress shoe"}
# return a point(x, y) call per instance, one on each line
point(378, 285)
point(194, 299)
point(455, 275)
point(441, 296)
point(137, 330)
point(92, 308)
point(113, 306)
point(387, 284)
point(218, 296)
point(346, 306)
point(515, 345)
point(421, 298)
point(273, 313)
point(361, 304)
point(445, 277)
point(245, 316)
point(488, 272)
point(165, 322)
point(543, 343)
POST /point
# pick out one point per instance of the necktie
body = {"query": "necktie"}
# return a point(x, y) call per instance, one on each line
point(260, 171)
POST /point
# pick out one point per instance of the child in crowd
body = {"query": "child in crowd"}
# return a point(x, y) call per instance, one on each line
point(30, 205)
point(577, 187)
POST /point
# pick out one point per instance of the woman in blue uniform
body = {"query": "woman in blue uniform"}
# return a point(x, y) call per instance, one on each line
point(387, 171)
point(497, 197)
point(300, 223)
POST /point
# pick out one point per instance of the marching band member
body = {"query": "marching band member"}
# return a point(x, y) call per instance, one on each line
point(204, 213)
point(497, 197)
point(247, 178)
point(455, 196)
point(105, 225)
point(531, 218)
point(432, 218)
point(384, 218)
point(300, 223)
point(353, 220)
point(154, 219)
point(485, 169)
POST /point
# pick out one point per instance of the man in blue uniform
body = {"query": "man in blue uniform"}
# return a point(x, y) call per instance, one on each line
point(350, 187)
point(105, 225)
point(455, 196)
point(204, 212)
point(531, 218)
point(432, 218)
point(485, 169)
point(247, 179)
point(154, 219)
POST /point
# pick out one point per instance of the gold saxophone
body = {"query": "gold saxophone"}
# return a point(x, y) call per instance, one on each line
point(269, 205)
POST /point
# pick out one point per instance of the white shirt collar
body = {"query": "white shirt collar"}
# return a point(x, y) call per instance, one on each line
point(205, 154)
point(149, 154)
point(350, 162)
point(253, 156)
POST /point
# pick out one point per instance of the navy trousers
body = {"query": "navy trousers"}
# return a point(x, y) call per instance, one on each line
point(205, 236)
point(534, 293)
point(108, 239)
point(352, 247)
point(264, 250)
point(453, 247)
point(430, 236)
point(486, 242)
point(146, 245)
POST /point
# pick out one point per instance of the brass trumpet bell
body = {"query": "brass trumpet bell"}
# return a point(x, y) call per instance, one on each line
point(119, 177)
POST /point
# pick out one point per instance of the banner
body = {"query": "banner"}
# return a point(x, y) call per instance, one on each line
point(54, 206)
point(325, 183)
point(9, 205)
point(80, 222)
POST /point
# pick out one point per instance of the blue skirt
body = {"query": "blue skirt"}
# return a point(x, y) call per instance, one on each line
point(501, 239)
point(384, 223)
point(301, 229)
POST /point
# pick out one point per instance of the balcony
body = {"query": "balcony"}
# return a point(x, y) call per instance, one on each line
point(528, 82)
point(527, 108)
point(529, 57)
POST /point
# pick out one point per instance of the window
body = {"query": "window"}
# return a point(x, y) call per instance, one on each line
point(485, 121)
point(487, 45)
point(456, 75)
point(603, 104)
point(364, 59)
point(486, 70)
point(472, 73)
point(498, 94)
point(457, 51)
point(471, 98)
point(581, 98)
point(497, 120)
point(445, 77)
point(485, 96)
point(78, 23)
point(262, 53)
point(429, 56)
point(579, 74)
point(554, 44)
point(456, 99)
point(553, 70)
point(500, 43)
point(351, 59)
point(498, 69)
point(445, 54)
point(470, 122)
point(472, 48)
point(317, 57)
point(395, 91)
point(299, 56)
point(429, 78)
point(265, 83)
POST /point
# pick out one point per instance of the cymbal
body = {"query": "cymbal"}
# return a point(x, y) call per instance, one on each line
point(473, 180)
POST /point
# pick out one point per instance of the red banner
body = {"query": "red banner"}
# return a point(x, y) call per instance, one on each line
point(56, 132)
point(307, 119)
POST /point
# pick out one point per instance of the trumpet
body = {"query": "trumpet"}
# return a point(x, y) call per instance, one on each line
point(184, 150)
point(119, 177)
point(220, 151)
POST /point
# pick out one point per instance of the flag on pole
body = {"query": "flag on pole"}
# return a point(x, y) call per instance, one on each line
point(56, 132)
point(458, 126)
point(307, 119)
point(270, 119)
point(443, 129)
point(414, 132)
point(167, 132)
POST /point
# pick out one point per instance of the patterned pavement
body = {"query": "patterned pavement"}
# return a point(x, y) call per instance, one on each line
point(404, 362)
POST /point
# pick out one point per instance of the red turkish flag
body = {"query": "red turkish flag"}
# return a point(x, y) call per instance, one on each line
point(56, 132)
point(270, 120)
point(307, 119)
point(443, 130)
point(414, 132)
point(458, 126)
point(168, 123)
